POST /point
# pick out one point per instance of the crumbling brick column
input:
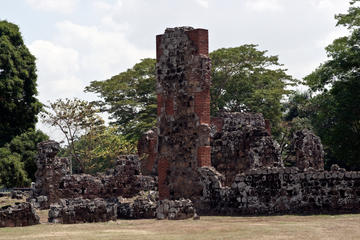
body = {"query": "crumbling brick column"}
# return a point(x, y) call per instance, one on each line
point(183, 88)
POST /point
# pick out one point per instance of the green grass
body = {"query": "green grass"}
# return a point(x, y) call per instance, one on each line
point(327, 227)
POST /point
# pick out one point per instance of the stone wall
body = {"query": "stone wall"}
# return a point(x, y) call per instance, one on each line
point(50, 169)
point(183, 88)
point(142, 207)
point(79, 210)
point(175, 209)
point(241, 141)
point(54, 181)
point(282, 191)
point(306, 150)
point(18, 215)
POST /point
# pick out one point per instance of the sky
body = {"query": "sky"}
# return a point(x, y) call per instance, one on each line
point(79, 41)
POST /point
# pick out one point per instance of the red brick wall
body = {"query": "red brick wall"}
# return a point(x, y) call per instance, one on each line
point(174, 102)
point(218, 122)
point(204, 156)
point(169, 105)
point(268, 126)
point(202, 106)
point(163, 166)
point(200, 39)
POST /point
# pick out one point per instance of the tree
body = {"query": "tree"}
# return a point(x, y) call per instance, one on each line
point(74, 118)
point(98, 150)
point(12, 173)
point(130, 98)
point(18, 105)
point(25, 146)
point(92, 146)
point(296, 116)
point(336, 106)
point(244, 79)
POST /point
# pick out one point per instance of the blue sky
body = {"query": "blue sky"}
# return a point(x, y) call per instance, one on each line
point(78, 41)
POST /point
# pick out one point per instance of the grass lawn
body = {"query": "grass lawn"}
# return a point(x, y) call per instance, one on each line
point(327, 227)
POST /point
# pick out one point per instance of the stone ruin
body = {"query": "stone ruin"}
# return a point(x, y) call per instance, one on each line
point(79, 210)
point(183, 95)
point(306, 150)
point(242, 172)
point(18, 215)
point(54, 180)
point(176, 210)
point(241, 141)
point(191, 163)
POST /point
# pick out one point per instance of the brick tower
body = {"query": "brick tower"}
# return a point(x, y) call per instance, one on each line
point(183, 92)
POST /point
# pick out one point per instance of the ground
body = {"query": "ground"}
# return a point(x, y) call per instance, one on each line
point(316, 227)
point(275, 227)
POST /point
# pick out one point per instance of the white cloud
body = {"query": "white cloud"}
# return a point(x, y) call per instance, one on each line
point(103, 53)
point(57, 70)
point(264, 5)
point(333, 5)
point(203, 3)
point(339, 32)
point(100, 5)
point(62, 6)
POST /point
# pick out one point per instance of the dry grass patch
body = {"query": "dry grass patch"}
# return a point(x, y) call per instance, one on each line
point(276, 227)
point(4, 201)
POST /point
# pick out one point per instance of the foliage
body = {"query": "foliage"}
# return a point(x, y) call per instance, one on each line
point(99, 149)
point(25, 145)
point(18, 105)
point(12, 173)
point(243, 79)
point(74, 118)
point(296, 116)
point(130, 98)
point(92, 146)
point(336, 107)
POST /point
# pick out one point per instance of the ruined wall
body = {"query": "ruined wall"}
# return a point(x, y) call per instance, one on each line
point(183, 88)
point(306, 150)
point(79, 210)
point(147, 151)
point(18, 215)
point(176, 210)
point(282, 191)
point(124, 180)
point(54, 181)
point(50, 169)
point(241, 141)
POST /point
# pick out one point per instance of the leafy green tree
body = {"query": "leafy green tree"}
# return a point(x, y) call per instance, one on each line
point(336, 107)
point(130, 98)
point(75, 118)
point(12, 173)
point(296, 116)
point(92, 146)
point(99, 149)
point(25, 146)
point(245, 79)
point(18, 105)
